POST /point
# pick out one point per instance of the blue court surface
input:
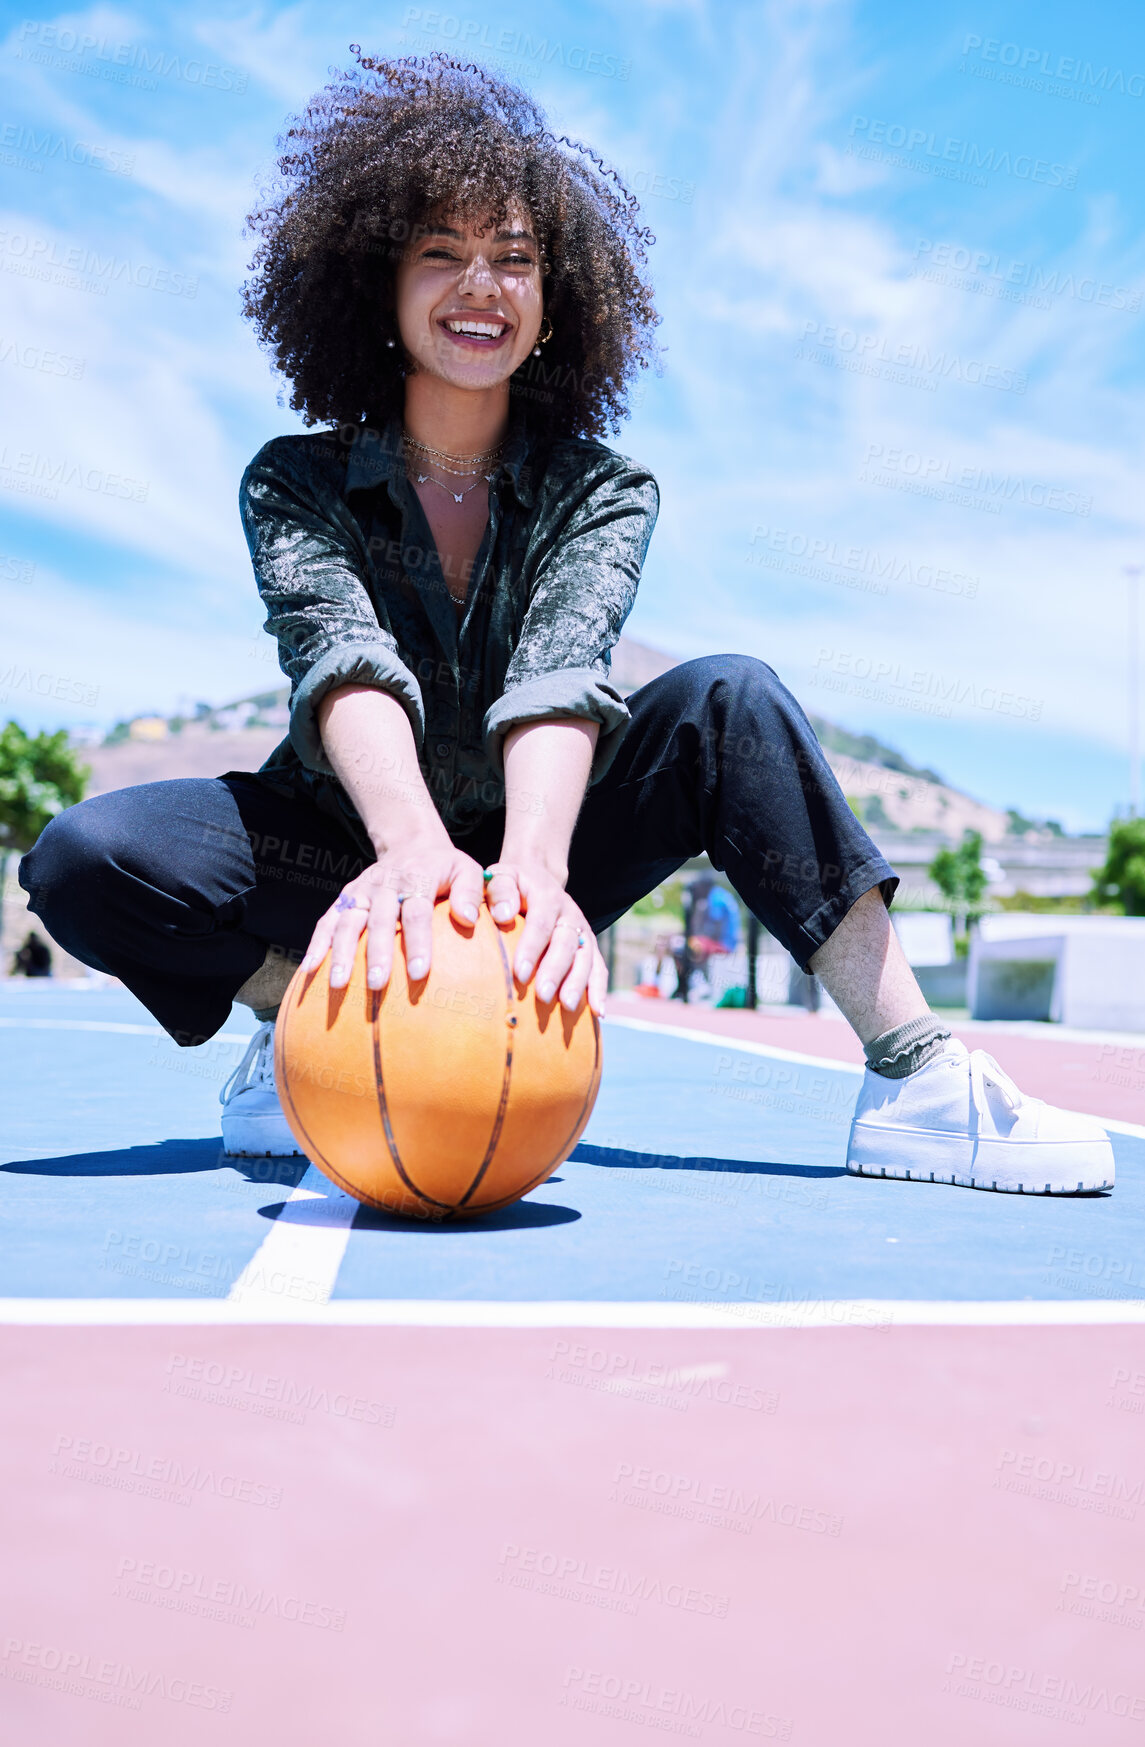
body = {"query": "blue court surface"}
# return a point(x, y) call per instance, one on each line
point(712, 1173)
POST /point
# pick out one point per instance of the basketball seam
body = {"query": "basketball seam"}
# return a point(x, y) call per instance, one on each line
point(384, 1112)
point(499, 1119)
point(571, 1137)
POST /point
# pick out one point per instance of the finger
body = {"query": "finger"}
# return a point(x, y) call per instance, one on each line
point(319, 943)
point(575, 984)
point(538, 934)
point(381, 932)
point(344, 946)
point(558, 960)
point(417, 937)
point(502, 894)
point(465, 894)
point(598, 983)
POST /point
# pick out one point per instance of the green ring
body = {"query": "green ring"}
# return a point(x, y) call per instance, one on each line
point(486, 876)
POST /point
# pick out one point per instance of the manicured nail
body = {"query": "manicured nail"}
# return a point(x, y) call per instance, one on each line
point(546, 990)
point(524, 969)
point(339, 974)
point(417, 969)
point(374, 978)
point(469, 911)
point(502, 912)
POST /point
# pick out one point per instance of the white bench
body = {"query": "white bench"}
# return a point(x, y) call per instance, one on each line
point(1087, 971)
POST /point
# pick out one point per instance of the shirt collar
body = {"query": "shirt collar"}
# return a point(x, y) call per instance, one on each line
point(376, 457)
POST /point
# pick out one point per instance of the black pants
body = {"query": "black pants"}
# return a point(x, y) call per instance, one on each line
point(179, 888)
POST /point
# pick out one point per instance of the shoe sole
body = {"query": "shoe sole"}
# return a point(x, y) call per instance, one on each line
point(259, 1152)
point(1049, 1167)
point(244, 1139)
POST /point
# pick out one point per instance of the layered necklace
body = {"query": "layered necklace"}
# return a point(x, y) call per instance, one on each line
point(457, 466)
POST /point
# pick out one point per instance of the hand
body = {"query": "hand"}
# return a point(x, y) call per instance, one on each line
point(549, 940)
point(417, 874)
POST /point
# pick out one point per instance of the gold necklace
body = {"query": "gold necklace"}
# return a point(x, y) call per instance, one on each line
point(461, 464)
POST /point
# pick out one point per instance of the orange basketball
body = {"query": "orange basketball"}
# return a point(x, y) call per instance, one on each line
point(452, 1096)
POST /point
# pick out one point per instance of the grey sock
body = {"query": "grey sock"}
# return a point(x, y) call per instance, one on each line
point(265, 1014)
point(906, 1048)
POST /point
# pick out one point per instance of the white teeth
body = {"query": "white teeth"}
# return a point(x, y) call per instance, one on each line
point(476, 329)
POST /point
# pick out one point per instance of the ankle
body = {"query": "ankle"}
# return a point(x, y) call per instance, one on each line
point(906, 1048)
point(264, 989)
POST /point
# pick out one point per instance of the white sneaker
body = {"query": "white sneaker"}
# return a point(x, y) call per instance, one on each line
point(253, 1123)
point(960, 1119)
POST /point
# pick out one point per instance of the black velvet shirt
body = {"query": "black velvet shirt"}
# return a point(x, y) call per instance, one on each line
point(352, 583)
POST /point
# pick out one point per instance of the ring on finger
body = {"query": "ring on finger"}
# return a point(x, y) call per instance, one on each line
point(345, 902)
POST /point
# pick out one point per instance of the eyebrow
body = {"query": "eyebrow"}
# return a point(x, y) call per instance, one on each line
point(442, 230)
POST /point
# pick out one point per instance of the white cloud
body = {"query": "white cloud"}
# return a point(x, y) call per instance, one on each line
point(751, 102)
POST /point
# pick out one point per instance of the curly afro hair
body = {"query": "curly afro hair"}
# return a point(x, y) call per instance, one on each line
point(377, 153)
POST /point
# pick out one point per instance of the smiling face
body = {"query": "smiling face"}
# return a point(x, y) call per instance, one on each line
point(469, 304)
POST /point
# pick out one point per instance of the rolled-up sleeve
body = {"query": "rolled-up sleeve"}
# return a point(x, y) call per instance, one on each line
point(582, 594)
point(310, 566)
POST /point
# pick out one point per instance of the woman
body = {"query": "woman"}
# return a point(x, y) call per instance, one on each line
point(458, 296)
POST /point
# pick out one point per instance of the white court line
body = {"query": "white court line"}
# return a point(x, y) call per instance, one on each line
point(872, 1314)
point(716, 1041)
point(301, 1253)
point(110, 1025)
point(741, 1044)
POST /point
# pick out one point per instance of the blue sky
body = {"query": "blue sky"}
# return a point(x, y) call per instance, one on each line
point(898, 431)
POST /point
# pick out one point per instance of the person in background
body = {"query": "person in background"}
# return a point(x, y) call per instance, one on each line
point(711, 929)
point(34, 958)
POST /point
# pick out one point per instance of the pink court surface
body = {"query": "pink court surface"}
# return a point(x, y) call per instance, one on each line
point(706, 1440)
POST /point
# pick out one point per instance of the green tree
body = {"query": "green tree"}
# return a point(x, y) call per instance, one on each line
point(39, 777)
point(1121, 881)
point(960, 877)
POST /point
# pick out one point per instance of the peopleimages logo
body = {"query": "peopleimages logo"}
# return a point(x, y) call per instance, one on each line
point(16, 139)
point(947, 155)
point(572, 1578)
point(934, 477)
point(1098, 1489)
point(1070, 69)
point(930, 367)
point(985, 271)
point(195, 1592)
point(72, 1667)
point(874, 568)
point(1017, 1683)
point(471, 34)
point(66, 49)
point(673, 1709)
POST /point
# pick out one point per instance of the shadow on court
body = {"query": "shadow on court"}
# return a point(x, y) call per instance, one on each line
point(617, 1158)
point(166, 1158)
point(521, 1216)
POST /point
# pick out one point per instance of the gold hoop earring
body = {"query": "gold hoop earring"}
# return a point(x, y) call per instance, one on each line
point(542, 338)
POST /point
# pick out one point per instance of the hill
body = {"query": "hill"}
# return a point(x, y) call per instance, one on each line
point(886, 790)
